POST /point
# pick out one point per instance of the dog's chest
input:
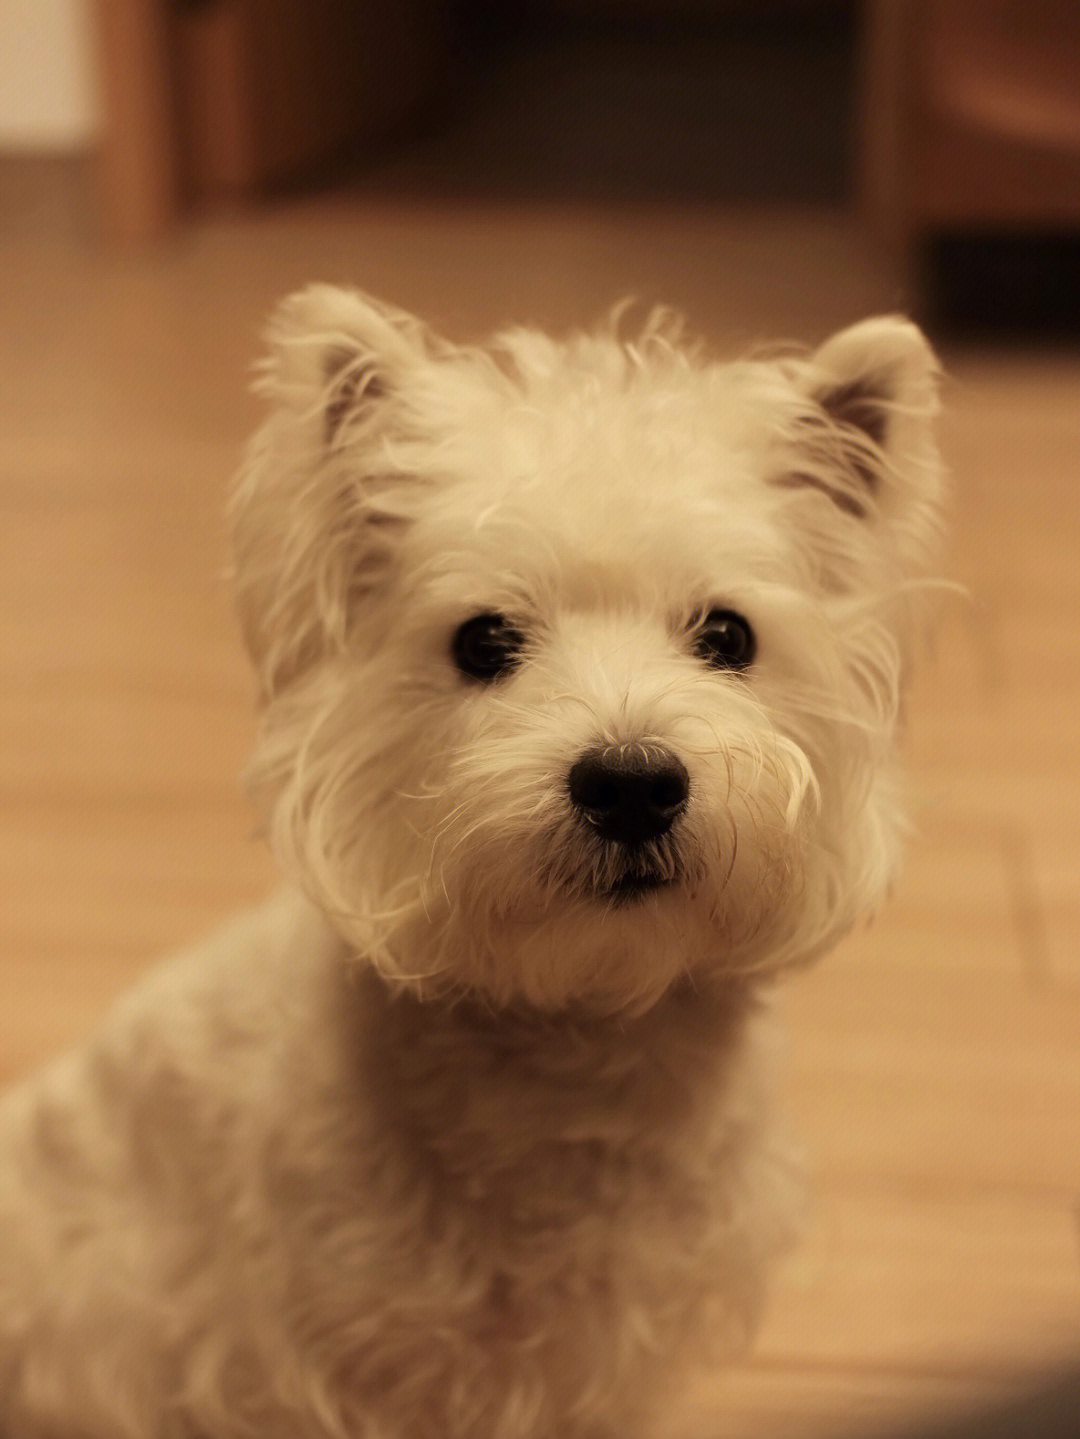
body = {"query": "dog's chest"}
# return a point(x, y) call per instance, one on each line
point(557, 1156)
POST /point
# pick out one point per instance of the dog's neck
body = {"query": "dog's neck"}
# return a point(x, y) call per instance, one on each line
point(488, 1091)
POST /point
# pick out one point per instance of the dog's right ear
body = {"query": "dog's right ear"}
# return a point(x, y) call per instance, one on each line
point(340, 360)
point(314, 509)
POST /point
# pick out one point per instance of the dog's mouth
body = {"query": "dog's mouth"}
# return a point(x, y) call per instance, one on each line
point(619, 876)
point(638, 876)
point(629, 887)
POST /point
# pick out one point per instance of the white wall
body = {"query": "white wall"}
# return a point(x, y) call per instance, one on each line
point(48, 82)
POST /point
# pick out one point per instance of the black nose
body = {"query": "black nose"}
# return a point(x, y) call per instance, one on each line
point(630, 795)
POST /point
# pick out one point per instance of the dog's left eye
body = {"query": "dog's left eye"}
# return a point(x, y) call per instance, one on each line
point(486, 647)
point(726, 641)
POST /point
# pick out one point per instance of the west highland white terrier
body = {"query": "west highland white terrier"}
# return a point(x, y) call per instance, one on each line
point(580, 665)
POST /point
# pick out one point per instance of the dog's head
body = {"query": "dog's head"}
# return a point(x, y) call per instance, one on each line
point(582, 660)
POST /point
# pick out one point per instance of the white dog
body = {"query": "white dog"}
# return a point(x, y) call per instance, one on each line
point(580, 666)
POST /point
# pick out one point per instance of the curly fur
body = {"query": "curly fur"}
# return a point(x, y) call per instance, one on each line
point(446, 1142)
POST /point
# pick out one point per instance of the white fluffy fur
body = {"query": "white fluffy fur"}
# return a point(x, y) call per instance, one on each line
point(443, 1143)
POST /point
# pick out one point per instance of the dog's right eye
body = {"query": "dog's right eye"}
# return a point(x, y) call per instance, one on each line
point(486, 647)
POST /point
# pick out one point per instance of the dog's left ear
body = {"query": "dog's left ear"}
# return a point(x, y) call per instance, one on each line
point(869, 433)
point(878, 379)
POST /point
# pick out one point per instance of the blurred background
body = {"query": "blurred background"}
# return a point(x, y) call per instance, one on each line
point(170, 168)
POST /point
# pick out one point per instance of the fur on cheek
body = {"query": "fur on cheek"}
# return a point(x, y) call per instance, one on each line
point(467, 870)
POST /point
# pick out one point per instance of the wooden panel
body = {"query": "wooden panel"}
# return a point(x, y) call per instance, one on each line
point(139, 160)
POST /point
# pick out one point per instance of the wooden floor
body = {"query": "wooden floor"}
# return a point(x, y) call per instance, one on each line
point(935, 1060)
